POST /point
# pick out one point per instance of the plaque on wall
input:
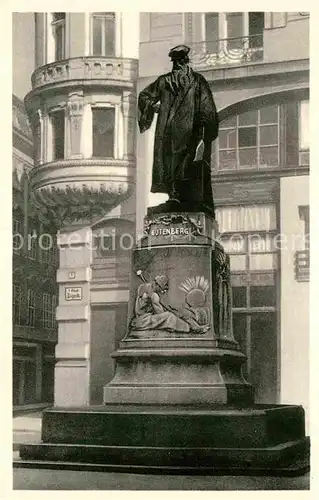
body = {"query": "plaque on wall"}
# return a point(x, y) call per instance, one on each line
point(73, 293)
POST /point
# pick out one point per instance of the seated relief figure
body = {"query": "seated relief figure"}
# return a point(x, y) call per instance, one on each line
point(151, 314)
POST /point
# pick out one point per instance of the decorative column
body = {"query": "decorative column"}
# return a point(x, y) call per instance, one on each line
point(129, 118)
point(72, 370)
point(75, 107)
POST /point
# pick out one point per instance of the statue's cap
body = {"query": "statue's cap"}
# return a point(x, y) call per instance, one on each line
point(179, 52)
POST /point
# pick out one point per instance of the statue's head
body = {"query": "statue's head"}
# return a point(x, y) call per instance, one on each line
point(179, 55)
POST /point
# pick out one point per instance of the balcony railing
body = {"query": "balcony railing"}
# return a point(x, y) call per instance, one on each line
point(302, 261)
point(119, 71)
point(227, 51)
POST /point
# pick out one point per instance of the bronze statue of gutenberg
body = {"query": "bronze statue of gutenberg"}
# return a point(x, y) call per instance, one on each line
point(187, 121)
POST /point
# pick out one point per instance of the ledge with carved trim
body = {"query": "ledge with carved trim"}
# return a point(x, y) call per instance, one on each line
point(86, 70)
point(80, 190)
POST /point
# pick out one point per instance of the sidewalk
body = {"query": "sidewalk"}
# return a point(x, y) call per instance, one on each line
point(27, 429)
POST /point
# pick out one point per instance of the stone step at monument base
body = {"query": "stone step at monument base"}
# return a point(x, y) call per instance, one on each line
point(216, 439)
point(285, 459)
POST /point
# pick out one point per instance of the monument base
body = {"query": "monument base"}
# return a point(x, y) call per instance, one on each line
point(171, 375)
point(214, 439)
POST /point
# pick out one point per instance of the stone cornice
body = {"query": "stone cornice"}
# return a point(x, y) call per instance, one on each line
point(254, 70)
point(76, 162)
point(271, 173)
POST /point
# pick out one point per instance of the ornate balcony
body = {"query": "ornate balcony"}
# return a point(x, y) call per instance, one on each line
point(119, 72)
point(227, 51)
point(302, 261)
point(74, 191)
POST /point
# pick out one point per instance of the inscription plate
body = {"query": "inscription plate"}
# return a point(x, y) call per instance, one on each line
point(73, 293)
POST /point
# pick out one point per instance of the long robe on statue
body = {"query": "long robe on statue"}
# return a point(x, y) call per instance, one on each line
point(186, 116)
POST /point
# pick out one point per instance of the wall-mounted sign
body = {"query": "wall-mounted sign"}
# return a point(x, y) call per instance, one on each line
point(71, 275)
point(73, 293)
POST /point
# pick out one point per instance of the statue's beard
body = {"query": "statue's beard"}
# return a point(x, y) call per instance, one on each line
point(179, 78)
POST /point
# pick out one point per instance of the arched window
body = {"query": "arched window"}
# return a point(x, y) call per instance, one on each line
point(103, 34)
point(249, 140)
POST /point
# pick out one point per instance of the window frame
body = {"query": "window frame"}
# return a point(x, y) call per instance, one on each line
point(47, 311)
point(115, 107)
point(52, 112)
point(223, 39)
point(54, 24)
point(16, 292)
point(33, 250)
point(31, 307)
point(103, 16)
point(258, 126)
point(17, 228)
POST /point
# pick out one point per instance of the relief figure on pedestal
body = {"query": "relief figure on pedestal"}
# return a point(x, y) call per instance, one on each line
point(223, 288)
point(150, 314)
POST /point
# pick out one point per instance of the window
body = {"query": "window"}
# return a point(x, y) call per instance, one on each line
point(239, 296)
point(240, 30)
point(48, 249)
point(37, 141)
point(103, 132)
point(103, 31)
point(31, 308)
point(304, 215)
point(58, 133)
point(54, 305)
point(48, 310)
point(16, 304)
point(32, 241)
point(17, 233)
point(212, 31)
point(58, 28)
point(249, 140)
point(234, 29)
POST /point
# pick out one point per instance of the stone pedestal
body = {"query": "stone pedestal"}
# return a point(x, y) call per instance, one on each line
point(179, 347)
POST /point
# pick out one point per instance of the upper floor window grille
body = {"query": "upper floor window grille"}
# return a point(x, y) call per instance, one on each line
point(103, 132)
point(249, 140)
point(58, 28)
point(234, 35)
point(103, 34)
